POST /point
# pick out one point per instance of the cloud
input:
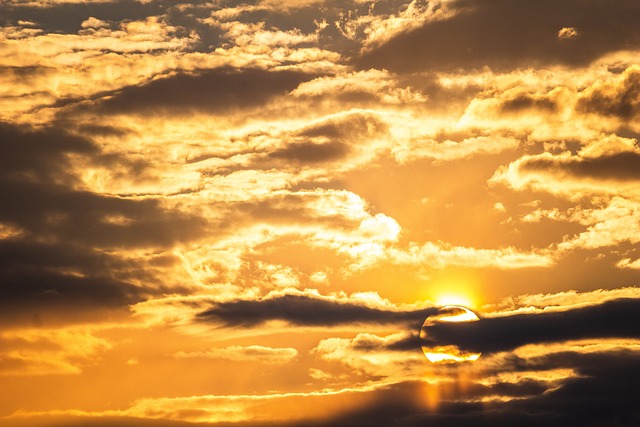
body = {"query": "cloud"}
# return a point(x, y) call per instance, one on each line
point(623, 166)
point(373, 85)
point(628, 263)
point(567, 33)
point(617, 97)
point(252, 353)
point(36, 352)
point(60, 243)
point(220, 90)
point(593, 169)
point(309, 310)
point(45, 278)
point(310, 152)
point(392, 358)
point(442, 255)
point(507, 34)
point(610, 319)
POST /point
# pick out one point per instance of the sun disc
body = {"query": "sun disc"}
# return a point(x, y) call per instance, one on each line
point(447, 353)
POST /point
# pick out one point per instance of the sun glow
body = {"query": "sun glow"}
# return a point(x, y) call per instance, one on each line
point(450, 299)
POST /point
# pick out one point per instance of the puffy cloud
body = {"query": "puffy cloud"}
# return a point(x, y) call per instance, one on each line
point(567, 33)
point(628, 263)
point(617, 97)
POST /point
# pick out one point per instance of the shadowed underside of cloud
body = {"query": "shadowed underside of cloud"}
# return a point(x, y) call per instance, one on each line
point(307, 311)
point(220, 90)
point(612, 319)
point(310, 152)
point(54, 256)
point(507, 34)
point(620, 166)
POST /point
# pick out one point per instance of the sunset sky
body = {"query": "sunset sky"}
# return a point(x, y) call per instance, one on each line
point(226, 213)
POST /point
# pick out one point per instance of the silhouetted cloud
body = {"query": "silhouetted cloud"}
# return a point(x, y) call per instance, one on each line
point(507, 34)
point(219, 90)
point(307, 311)
point(611, 319)
point(623, 166)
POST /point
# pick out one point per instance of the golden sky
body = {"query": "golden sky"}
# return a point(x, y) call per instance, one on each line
point(218, 213)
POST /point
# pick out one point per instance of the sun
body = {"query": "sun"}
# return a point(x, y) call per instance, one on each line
point(447, 353)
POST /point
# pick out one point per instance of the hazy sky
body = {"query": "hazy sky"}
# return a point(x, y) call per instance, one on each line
point(241, 213)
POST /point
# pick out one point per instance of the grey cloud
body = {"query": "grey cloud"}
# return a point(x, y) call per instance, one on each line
point(220, 90)
point(35, 182)
point(38, 154)
point(308, 311)
point(40, 282)
point(624, 166)
point(56, 260)
point(310, 152)
point(611, 319)
point(330, 140)
point(507, 34)
point(68, 17)
point(524, 102)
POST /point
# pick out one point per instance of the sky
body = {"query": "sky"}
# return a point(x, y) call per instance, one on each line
point(224, 213)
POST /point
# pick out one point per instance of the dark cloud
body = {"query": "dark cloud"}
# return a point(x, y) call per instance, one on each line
point(68, 17)
point(29, 155)
point(624, 166)
point(221, 90)
point(58, 258)
point(348, 126)
point(507, 34)
point(23, 74)
point(84, 218)
point(331, 139)
point(40, 282)
point(307, 311)
point(622, 100)
point(611, 319)
point(524, 102)
point(310, 152)
point(35, 187)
